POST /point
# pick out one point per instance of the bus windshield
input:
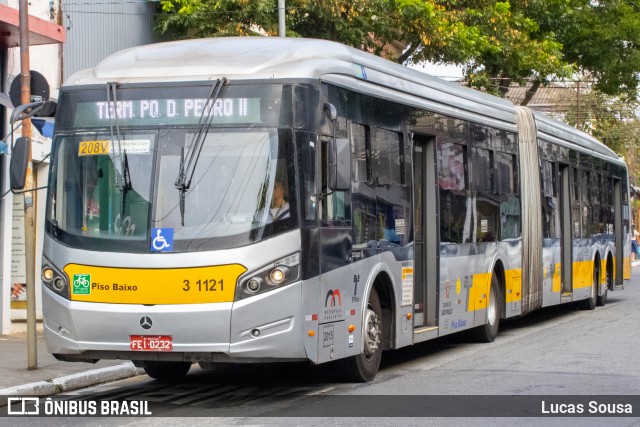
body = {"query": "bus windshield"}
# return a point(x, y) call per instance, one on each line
point(117, 191)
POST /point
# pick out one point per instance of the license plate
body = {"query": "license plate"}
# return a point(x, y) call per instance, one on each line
point(150, 343)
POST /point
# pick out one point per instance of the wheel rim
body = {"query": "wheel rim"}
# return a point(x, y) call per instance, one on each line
point(492, 309)
point(371, 334)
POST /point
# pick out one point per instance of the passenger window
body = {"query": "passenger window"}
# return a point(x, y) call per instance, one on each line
point(360, 152)
point(451, 167)
point(506, 166)
point(387, 149)
point(335, 206)
point(455, 205)
point(483, 170)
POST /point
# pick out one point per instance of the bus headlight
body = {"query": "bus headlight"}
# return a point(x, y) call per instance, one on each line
point(54, 279)
point(58, 284)
point(47, 274)
point(278, 274)
point(253, 285)
point(270, 277)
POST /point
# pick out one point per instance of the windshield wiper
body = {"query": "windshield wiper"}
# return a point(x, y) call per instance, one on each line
point(189, 159)
point(125, 184)
point(126, 180)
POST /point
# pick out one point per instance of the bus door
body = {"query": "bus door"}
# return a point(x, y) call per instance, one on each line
point(619, 232)
point(567, 227)
point(425, 284)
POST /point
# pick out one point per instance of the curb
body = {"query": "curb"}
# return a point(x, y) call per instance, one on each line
point(72, 382)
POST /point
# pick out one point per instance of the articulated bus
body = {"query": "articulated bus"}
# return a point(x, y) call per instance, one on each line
point(271, 200)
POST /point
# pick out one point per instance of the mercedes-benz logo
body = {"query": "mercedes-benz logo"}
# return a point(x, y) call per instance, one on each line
point(146, 322)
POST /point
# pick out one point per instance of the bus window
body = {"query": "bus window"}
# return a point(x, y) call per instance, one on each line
point(585, 182)
point(102, 187)
point(486, 203)
point(335, 206)
point(363, 197)
point(451, 167)
point(307, 162)
point(483, 170)
point(361, 152)
point(576, 186)
point(506, 168)
point(547, 179)
point(455, 205)
point(386, 156)
point(550, 203)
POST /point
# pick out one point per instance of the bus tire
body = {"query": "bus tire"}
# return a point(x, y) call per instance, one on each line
point(166, 371)
point(364, 366)
point(591, 302)
point(602, 299)
point(489, 331)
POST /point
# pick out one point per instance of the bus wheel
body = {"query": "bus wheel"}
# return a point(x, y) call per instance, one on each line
point(590, 303)
point(602, 299)
point(166, 371)
point(364, 367)
point(489, 331)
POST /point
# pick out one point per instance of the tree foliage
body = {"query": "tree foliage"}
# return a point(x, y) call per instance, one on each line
point(496, 42)
point(603, 38)
point(612, 120)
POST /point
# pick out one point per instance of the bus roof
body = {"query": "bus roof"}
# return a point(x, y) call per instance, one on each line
point(564, 134)
point(274, 58)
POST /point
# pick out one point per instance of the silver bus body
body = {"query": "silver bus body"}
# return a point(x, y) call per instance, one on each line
point(321, 316)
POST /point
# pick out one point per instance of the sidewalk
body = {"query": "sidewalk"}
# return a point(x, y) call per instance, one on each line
point(51, 376)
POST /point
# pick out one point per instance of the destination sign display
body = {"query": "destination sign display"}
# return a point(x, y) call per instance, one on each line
point(167, 111)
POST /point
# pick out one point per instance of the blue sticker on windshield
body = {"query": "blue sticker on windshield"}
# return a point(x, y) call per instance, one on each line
point(161, 239)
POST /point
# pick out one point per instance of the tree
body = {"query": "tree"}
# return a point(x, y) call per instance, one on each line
point(603, 38)
point(521, 48)
point(612, 120)
point(492, 38)
point(497, 42)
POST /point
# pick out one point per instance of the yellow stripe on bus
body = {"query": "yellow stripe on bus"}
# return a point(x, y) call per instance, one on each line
point(513, 285)
point(626, 267)
point(196, 285)
point(582, 274)
point(479, 292)
point(556, 283)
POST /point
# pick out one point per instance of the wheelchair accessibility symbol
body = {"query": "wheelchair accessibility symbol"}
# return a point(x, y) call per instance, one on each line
point(161, 239)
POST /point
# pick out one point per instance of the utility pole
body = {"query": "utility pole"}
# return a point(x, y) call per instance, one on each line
point(578, 104)
point(29, 197)
point(282, 31)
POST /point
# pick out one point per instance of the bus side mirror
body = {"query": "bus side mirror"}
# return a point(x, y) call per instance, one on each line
point(339, 164)
point(19, 163)
point(331, 112)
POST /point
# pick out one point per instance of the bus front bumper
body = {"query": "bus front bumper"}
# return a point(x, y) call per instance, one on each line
point(266, 327)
